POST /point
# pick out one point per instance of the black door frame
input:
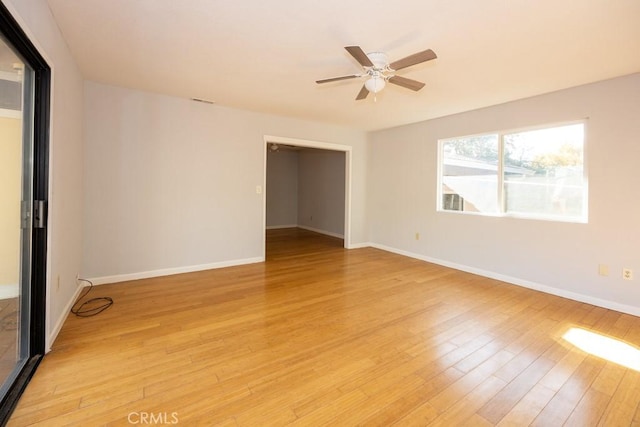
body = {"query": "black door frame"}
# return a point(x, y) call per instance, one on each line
point(12, 32)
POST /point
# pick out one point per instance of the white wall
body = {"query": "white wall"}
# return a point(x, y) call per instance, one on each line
point(66, 158)
point(170, 184)
point(321, 191)
point(561, 258)
point(282, 188)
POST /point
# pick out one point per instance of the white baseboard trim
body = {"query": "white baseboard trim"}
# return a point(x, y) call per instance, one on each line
point(278, 227)
point(317, 230)
point(359, 245)
point(612, 305)
point(169, 271)
point(63, 317)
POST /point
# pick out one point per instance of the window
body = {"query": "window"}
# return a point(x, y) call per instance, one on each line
point(535, 173)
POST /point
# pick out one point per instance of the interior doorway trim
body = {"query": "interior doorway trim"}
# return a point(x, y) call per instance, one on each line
point(346, 149)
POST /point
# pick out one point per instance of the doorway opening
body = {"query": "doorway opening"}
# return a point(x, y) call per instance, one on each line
point(308, 186)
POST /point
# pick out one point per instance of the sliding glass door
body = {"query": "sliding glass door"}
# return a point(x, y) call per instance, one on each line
point(15, 209)
point(24, 106)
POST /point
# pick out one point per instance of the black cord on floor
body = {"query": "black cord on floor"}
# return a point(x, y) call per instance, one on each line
point(81, 311)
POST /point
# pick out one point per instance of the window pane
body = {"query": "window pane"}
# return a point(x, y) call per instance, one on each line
point(470, 174)
point(543, 172)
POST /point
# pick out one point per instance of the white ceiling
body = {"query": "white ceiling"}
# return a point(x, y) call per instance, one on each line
point(266, 55)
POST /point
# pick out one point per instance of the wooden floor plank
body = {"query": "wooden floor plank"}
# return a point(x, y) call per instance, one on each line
point(528, 408)
point(461, 412)
point(622, 408)
point(320, 335)
point(501, 403)
point(589, 409)
point(570, 394)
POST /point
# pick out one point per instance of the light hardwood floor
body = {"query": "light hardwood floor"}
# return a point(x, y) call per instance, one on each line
point(321, 335)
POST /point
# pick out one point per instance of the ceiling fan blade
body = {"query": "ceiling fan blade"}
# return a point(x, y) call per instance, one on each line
point(414, 59)
point(405, 82)
point(359, 55)
point(335, 79)
point(362, 94)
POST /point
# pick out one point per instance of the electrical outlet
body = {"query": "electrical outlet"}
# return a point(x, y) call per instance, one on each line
point(417, 236)
point(58, 283)
point(627, 274)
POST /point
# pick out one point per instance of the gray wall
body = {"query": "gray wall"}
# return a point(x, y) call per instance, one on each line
point(321, 191)
point(282, 188)
point(318, 179)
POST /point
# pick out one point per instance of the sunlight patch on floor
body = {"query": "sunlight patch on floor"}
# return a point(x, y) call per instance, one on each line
point(605, 347)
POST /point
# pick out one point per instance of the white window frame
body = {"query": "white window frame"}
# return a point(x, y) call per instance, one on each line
point(583, 219)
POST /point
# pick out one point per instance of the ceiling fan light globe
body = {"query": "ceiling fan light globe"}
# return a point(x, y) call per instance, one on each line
point(375, 84)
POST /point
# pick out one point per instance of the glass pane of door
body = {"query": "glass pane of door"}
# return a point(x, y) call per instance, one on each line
point(16, 178)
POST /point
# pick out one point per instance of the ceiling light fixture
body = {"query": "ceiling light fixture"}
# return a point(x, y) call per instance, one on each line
point(375, 84)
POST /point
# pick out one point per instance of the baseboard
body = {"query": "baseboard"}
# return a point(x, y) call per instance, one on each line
point(63, 317)
point(278, 227)
point(623, 308)
point(169, 271)
point(317, 230)
point(359, 245)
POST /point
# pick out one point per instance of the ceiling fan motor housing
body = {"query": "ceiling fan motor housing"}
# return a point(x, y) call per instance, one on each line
point(380, 61)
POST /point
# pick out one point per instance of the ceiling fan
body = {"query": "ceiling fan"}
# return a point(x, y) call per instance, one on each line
point(379, 71)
